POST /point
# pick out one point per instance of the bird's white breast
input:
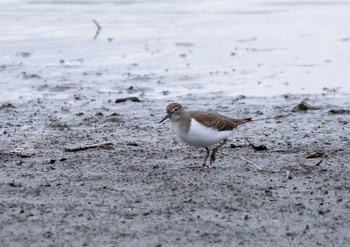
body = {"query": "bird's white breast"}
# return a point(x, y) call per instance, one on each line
point(200, 135)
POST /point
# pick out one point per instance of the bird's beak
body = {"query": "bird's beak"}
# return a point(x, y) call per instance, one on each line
point(164, 118)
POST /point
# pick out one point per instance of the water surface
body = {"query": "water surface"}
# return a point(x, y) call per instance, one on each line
point(170, 48)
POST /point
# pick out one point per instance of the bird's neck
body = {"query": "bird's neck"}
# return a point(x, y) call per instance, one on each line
point(181, 122)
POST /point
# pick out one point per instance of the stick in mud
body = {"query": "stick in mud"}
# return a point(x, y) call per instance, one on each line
point(106, 145)
point(98, 29)
point(252, 163)
point(256, 166)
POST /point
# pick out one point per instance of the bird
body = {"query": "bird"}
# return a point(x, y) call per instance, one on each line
point(202, 128)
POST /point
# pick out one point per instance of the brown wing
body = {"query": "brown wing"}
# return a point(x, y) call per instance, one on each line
point(217, 121)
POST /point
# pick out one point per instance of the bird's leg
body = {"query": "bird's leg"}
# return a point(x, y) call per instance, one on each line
point(212, 156)
point(206, 157)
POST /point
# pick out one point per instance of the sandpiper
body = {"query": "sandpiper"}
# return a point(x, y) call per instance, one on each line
point(201, 128)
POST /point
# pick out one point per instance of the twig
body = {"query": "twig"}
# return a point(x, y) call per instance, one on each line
point(106, 145)
point(98, 29)
point(252, 163)
point(318, 163)
point(256, 166)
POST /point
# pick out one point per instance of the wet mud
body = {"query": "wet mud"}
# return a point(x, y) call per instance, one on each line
point(146, 188)
point(84, 162)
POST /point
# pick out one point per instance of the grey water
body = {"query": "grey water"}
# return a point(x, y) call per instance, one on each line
point(165, 49)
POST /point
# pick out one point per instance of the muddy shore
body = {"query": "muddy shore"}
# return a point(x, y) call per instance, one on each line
point(61, 76)
point(148, 189)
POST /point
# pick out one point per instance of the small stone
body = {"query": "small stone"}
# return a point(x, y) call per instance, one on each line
point(301, 107)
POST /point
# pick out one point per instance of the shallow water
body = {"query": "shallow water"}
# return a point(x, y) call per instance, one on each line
point(173, 48)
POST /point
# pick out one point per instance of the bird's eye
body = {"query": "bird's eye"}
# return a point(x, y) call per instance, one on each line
point(176, 109)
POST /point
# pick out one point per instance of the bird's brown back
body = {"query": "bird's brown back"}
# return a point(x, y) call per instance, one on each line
point(214, 120)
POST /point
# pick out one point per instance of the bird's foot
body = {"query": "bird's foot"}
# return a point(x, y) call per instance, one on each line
point(212, 156)
point(206, 157)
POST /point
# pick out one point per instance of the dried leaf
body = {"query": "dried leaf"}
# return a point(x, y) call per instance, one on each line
point(313, 154)
point(133, 99)
point(257, 148)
